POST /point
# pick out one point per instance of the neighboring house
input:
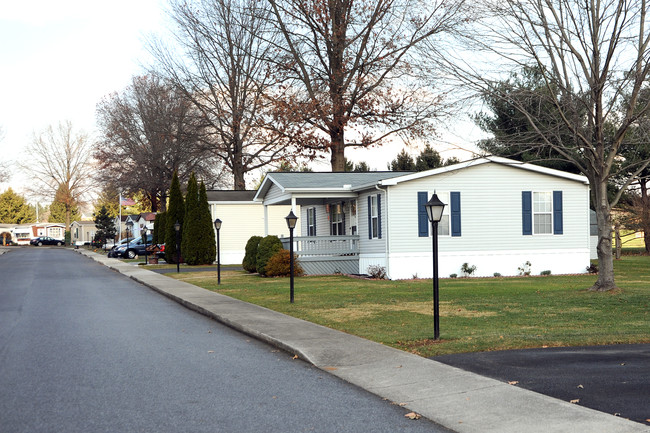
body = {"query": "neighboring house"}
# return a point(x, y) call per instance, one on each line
point(82, 232)
point(500, 214)
point(145, 219)
point(53, 230)
point(120, 225)
point(242, 218)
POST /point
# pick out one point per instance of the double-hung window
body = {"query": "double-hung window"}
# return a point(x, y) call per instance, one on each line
point(542, 213)
point(311, 221)
point(337, 220)
point(374, 217)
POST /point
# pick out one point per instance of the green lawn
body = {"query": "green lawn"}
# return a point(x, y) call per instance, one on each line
point(477, 314)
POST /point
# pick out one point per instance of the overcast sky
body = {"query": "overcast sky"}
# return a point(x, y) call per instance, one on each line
point(59, 58)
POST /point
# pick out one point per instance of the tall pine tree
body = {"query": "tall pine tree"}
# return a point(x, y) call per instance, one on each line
point(208, 248)
point(175, 213)
point(188, 246)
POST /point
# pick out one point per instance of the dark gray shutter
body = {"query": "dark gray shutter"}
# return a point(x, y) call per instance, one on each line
point(423, 219)
point(558, 227)
point(527, 212)
point(454, 197)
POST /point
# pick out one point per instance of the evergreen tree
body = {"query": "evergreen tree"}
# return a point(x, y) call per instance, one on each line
point(190, 229)
point(105, 225)
point(60, 212)
point(14, 209)
point(428, 159)
point(175, 213)
point(159, 226)
point(361, 167)
point(206, 247)
point(403, 162)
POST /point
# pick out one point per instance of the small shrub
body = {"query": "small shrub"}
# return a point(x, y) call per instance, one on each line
point(592, 269)
point(524, 270)
point(279, 265)
point(250, 257)
point(453, 275)
point(496, 274)
point(467, 270)
point(545, 273)
point(268, 246)
point(376, 271)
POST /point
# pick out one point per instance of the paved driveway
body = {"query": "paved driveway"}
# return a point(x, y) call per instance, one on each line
point(611, 379)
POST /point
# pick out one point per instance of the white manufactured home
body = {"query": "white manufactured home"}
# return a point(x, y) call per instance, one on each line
point(500, 215)
point(242, 218)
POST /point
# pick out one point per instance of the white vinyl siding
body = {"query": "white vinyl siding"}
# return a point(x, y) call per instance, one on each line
point(491, 218)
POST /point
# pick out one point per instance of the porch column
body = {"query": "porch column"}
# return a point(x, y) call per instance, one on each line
point(266, 220)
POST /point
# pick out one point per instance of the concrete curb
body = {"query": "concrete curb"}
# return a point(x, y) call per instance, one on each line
point(461, 401)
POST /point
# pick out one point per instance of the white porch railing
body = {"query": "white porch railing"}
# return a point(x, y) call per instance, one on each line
point(306, 246)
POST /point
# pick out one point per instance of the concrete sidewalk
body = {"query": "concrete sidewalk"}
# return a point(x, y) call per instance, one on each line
point(456, 399)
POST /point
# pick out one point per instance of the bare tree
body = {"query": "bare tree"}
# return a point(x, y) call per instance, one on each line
point(221, 70)
point(353, 72)
point(148, 131)
point(61, 165)
point(4, 166)
point(593, 58)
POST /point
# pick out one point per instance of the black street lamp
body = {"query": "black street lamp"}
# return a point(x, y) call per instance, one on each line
point(217, 226)
point(434, 211)
point(177, 227)
point(144, 237)
point(291, 223)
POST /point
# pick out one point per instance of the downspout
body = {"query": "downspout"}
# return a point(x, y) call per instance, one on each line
point(387, 250)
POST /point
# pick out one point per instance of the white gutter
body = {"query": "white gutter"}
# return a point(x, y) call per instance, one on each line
point(387, 232)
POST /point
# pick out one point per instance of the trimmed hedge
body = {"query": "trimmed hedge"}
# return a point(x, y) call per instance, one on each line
point(280, 266)
point(265, 250)
point(250, 258)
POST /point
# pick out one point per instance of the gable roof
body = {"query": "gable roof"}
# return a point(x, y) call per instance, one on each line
point(344, 184)
point(485, 160)
point(323, 181)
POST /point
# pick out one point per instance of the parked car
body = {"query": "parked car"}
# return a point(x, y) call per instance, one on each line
point(45, 240)
point(132, 248)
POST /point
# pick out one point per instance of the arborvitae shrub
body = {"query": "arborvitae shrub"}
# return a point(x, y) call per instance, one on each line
point(280, 266)
point(250, 258)
point(268, 246)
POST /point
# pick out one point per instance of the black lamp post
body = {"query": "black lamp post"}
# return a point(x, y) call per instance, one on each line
point(291, 223)
point(144, 237)
point(217, 226)
point(434, 212)
point(177, 227)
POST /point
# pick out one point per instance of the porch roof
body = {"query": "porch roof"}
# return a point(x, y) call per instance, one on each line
point(310, 187)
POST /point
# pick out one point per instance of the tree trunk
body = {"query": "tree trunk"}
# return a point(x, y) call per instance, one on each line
point(617, 241)
point(337, 149)
point(645, 215)
point(605, 279)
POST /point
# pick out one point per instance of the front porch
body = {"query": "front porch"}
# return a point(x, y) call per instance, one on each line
point(326, 255)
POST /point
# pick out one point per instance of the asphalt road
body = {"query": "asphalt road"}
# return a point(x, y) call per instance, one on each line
point(611, 379)
point(83, 348)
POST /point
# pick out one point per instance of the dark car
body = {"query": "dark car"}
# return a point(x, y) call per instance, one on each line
point(45, 240)
point(132, 248)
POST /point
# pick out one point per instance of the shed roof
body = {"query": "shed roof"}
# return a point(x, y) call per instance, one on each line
point(230, 195)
